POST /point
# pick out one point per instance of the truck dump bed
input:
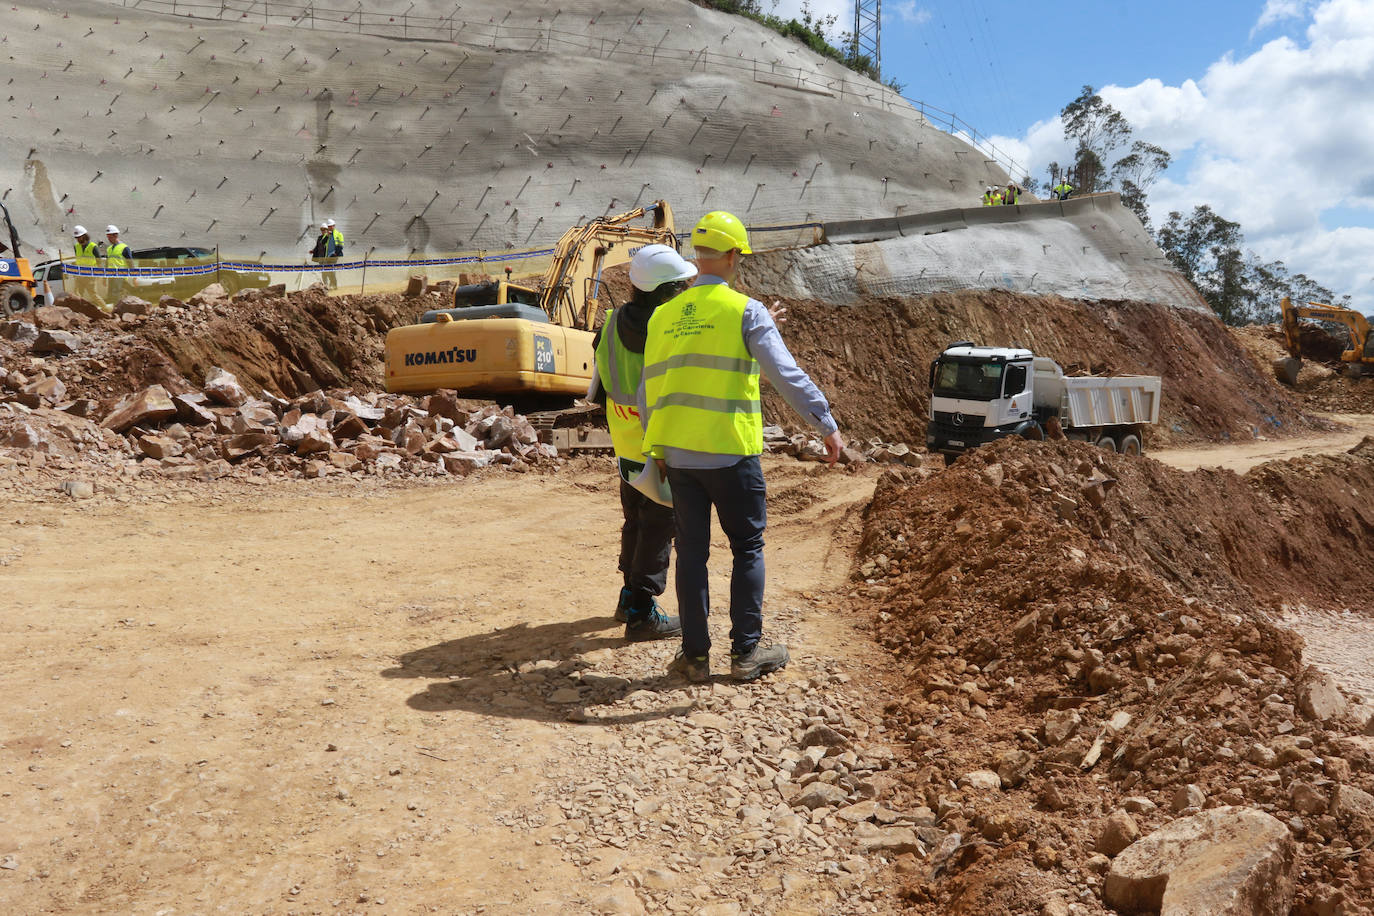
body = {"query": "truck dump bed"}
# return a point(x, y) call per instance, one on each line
point(1120, 400)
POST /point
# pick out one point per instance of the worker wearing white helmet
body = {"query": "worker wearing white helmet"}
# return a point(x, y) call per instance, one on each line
point(326, 251)
point(87, 255)
point(657, 273)
point(987, 196)
point(338, 237)
point(116, 258)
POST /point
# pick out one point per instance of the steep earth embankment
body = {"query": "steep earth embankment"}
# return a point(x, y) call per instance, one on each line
point(1136, 677)
point(872, 359)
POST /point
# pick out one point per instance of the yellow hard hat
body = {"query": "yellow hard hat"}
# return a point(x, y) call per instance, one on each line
point(721, 231)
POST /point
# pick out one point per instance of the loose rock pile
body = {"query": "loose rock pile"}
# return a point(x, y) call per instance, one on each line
point(1088, 668)
point(221, 430)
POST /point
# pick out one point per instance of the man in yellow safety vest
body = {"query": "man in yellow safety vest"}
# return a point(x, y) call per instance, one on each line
point(703, 426)
point(657, 273)
point(86, 256)
point(1063, 189)
point(116, 258)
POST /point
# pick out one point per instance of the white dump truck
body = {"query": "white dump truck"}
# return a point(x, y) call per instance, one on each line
point(978, 394)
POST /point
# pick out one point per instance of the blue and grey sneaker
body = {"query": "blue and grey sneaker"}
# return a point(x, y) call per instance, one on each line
point(644, 626)
point(695, 668)
point(622, 608)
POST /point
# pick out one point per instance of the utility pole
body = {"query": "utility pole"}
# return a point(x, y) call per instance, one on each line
point(867, 39)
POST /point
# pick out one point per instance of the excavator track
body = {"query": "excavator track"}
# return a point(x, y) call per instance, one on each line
point(578, 429)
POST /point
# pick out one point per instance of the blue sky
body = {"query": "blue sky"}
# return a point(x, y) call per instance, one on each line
point(1266, 105)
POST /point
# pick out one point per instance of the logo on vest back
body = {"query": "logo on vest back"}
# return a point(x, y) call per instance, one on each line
point(689, 310)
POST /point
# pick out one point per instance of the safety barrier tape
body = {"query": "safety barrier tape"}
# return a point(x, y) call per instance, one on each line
point(197, 270)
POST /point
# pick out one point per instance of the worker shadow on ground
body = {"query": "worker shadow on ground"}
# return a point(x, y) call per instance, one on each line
point(539, 673)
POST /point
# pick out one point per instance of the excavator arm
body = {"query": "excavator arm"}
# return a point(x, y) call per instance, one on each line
point(1359, 358)
point(572, 288)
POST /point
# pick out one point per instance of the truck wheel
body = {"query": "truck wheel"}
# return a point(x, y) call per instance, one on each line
point(1108, 443)
point(1130, 445)
point(14, 299)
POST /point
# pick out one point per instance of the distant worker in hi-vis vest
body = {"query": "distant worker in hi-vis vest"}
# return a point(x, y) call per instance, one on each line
point(703, 426)
point(116, 258)
point(1063, 189)
point(657, 273)
point(87, 255)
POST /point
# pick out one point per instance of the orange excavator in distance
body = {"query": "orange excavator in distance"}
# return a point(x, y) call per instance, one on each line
point(1358, 358)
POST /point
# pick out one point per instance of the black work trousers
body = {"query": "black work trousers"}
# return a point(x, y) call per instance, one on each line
point(646, 546)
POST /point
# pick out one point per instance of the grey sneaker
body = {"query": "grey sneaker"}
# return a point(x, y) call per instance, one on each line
point(622, 608)
point(653, 625)
point(758, 661)
point(695, 668)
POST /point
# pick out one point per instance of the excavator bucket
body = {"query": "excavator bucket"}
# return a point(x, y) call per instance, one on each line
point(1286, 370)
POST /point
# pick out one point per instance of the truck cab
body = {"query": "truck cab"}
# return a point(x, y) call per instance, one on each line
point(978, 394)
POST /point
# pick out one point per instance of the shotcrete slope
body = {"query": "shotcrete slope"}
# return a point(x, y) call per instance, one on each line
point(497, 130)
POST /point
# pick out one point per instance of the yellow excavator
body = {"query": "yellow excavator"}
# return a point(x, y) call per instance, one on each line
point(1358, 358)
point(16, 276)
point(500, 338)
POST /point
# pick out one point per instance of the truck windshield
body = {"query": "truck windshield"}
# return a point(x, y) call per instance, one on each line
point(972, 380)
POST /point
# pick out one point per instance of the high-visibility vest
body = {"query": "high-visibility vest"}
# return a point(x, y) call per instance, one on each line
point(1009, 198)
point(85, 255)
point(620, 369)
point(987, 198)
point(338, 241)
point(116, 256)
point(996, 198)
point(701, 384)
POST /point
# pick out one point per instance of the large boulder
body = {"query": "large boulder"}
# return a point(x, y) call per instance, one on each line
point(1228, 861)
point(151, 405)
point(224, 388)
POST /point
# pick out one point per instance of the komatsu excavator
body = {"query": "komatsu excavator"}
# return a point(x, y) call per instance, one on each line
point(500, 338)
point(1358, 358)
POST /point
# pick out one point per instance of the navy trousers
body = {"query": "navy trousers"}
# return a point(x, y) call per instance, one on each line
point(737, 494)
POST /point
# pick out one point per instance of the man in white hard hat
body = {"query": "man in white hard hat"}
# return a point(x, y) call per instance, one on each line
point(87, 255)
point(326, 251)
point(116, 258)
point(657, 273)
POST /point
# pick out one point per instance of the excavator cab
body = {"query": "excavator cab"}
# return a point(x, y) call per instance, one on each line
point(17, 285)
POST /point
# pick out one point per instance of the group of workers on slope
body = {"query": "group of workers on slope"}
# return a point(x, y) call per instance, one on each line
point(678, 369)
point(329, 247)
point(994, 196)
point(115, 256)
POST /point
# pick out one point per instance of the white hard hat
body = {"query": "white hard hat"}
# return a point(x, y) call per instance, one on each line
point(78, 231)
point(324, 225)
point(329, 223)
point(654, 265)
point(112, 230)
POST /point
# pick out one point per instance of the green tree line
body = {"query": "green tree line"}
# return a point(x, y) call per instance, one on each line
point(1206, 247)
point(811, 30)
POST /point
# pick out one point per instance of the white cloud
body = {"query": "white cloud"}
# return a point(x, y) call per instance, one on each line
point(910, 13)
point(842, 10)
point(1279, 141)
point(1279, 10)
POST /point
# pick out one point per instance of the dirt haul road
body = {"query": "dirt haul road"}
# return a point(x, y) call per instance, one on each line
point(229, 700)
point(362, 698)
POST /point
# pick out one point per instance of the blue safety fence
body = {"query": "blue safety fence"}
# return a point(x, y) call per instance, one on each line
point(210, 267)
